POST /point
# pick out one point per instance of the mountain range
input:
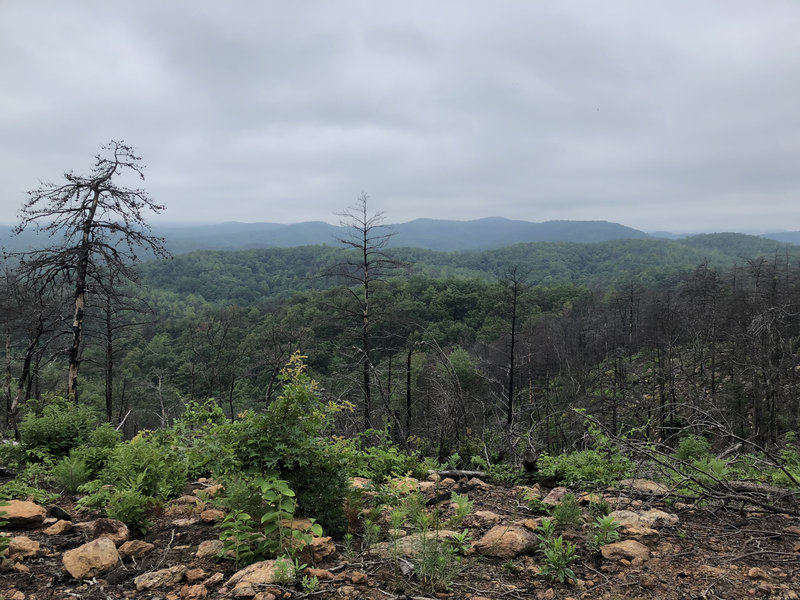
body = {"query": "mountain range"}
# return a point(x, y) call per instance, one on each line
point(432, 234)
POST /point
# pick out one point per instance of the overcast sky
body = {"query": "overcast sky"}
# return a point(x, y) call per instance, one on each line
point(660, 115)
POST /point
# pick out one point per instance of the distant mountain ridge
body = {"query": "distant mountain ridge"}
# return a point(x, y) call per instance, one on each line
point(433, 234)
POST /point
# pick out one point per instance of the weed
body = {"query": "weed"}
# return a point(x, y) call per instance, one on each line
point(4, 540)
point(567, 512)
point(460, 542)
point(558, 554)
point(603, 531)
point(350, 553)
point(70, 473)
point(309, 584)
point(130, 506)
point(462, 509)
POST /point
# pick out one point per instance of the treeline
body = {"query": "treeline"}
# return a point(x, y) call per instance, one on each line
point(646, 352)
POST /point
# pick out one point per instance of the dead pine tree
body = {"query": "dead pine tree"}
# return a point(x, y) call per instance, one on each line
point(367, 264)
point(95, 226)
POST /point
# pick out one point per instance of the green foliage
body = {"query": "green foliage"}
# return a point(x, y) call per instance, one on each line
point(287, 441)
point(462, 509)
point(160, 471)
point(382, 460)
point(499, 472)
point(130, 506)
point(603, 531)
point(567, 512)
point(249, 540)
point(98, 495)
point(61, 426)
point(309, 584)
point(534, 503)
point(557, 554)
point(693, 447)
point(12, 454)
point(437, 564)
point(599, 468)
point(70, 473)
point(4, 540)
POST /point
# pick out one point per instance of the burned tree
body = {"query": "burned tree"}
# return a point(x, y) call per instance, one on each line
point(97, 226)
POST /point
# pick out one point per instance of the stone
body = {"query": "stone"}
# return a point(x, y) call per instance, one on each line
point(555, 495)
point(758, 573)
point(427, 487)
point(648, 581)
point(20, 568)
point(162, 577)
point(214, 579)
point(484, 517)
point(658, 518)
point(645, 535)
point(404, 485)
point(196, 574)
point(357, 577)
point(212, 515)
point(447, 482)
point(792, 530)
point(711, 571)
point(321, 574)
point(91, 559)
point(193, 592)
point(22, 546)
point(185, 522)
point(112, 529)
point(644, 486)
point(209, 548)
point(59, 528)
point(480, 483)
point(626, 518)
point(409, 546)
point(629, 550)
point(58, 513)
point(21, 514)
point(245, 581)
point(530, 524)
point(319, 549)
point(135, 549)
point(506, 541)
point(187, 500)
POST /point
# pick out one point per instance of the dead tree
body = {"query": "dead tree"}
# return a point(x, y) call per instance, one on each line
point(96, 226)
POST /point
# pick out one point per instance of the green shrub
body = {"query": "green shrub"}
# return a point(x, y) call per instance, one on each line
point(558, 554)
point(131, 506)
point(160, 471)
point(4, 540)
point(70, 473)
point(205, 437)
point(567, 512)
point(693, 447)
point(16, 489)
point(603, 531)
point(61, 426)
point(287, 441)
point(379, 462)
point(585, 466)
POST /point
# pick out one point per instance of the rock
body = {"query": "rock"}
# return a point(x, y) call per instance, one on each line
point(404, 485)
point(194, 500)
point(758, 573)
point(245, 582)
point(135, 549)
point(711, 571)
point(480, 483)
point(427, 487)
point(22, 546)
point(21, 514)
point(658, 518)
point(193, 575)
point(629, 550)
point(357, 577)
point(214, 579)
point(645, 535)
point(319, 549)
point(112, 529)
point(59, 528)
point(506, 541)
point(530, 524)
point(185, 522)
point(91, 559)
point(626, 518)
point(648, 581)
point(20, 568)
point(162, 577)
point(555, 495)
point(589, 498)
point(193, 592)
point(484, 517)
point(321, 574)
point(212, 515)
point(409, 546)
point(447, 482)
point(644, 486)
point(792, 530)
point(209, 548)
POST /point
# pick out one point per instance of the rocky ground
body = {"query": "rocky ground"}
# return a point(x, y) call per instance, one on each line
point(665, 551)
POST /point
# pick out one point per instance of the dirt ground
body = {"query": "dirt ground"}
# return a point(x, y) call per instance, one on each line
point(708, 554)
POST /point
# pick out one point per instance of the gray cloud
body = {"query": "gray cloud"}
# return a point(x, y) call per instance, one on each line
point(659, 115)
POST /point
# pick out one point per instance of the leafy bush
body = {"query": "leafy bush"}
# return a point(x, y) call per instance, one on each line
point(4, 540)
point(603, 531)
point(567, 512)
point(98, 449)
point(693, 447)
point(61, 426)
point(598, 467)
point(381, 461)
point(130, 506)
point(70, 473)
point(160, 471)
point(287, 441)
point(205, 437)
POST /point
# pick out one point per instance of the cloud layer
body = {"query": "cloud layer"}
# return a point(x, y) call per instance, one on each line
point(677, 115)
